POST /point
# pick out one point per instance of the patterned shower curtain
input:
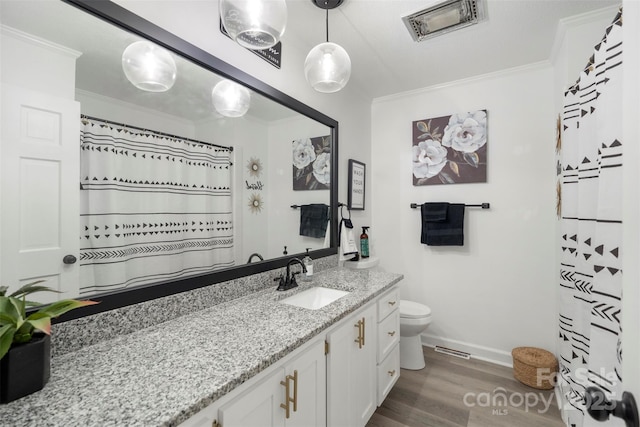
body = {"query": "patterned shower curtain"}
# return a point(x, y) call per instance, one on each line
point(152, 208)
point(591, 231)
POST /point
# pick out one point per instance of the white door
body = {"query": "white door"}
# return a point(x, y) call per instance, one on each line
point(260, 407)
point(351, 372)
point(363, 369)
point(39, 167)
point(310, 372)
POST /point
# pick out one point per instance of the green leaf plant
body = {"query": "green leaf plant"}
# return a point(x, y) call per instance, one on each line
point(18, 328)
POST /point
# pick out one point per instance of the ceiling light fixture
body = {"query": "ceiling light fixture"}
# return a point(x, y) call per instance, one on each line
point(328, 66)
point(231, 99)
point(444, 17)
point(149, 67)
point(254, 24)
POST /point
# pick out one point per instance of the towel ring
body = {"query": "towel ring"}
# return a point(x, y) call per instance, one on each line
point(342, 205)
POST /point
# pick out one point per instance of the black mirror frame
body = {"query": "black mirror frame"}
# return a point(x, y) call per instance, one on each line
point(127, 20)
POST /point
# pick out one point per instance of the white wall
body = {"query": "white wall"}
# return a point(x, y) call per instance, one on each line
point(498, 291)
point(117, 111)
point(284, 222)
point(37, 64)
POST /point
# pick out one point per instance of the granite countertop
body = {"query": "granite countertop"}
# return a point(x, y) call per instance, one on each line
point(162, 375)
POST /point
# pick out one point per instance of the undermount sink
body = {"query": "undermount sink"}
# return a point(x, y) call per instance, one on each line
point(315, 298)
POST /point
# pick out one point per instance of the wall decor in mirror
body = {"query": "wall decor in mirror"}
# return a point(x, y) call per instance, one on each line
point(124, 193)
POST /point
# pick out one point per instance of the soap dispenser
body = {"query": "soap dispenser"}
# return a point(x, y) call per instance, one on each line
point(364, 243)
point(308, 264)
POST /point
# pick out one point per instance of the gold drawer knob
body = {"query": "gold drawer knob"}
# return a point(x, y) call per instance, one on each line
point(392, 333)
point(392, 303)
point(392, 373)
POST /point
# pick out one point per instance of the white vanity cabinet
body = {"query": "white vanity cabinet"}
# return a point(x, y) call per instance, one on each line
point(262, 401)
point(335, 380)
point(388, 357)
point(351, 369)
point(292, 396)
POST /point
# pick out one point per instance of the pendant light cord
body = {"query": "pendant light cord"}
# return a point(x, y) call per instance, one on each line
point(327, 24)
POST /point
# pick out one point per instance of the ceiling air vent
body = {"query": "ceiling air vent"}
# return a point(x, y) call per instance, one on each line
point(444, 17)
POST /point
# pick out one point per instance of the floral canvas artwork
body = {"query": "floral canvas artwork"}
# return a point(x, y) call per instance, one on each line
point(312, 163)
point(450, 149)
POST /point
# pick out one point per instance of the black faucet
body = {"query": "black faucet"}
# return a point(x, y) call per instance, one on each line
point(289, 282)
point(255, 255)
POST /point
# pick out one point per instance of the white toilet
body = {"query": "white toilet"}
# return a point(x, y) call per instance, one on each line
point(414, 319)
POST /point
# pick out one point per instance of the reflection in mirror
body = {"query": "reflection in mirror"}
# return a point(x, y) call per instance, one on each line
point(59, 62)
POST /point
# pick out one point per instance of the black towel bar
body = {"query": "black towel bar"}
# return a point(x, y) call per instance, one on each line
point(298, 206)
point(483, 206)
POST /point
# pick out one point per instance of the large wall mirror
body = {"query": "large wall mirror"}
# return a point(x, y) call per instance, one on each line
point(234, 207)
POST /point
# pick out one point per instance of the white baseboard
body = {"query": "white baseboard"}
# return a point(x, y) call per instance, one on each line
point(479, 352)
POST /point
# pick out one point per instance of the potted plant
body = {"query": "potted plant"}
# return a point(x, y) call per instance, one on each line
point(25, 345)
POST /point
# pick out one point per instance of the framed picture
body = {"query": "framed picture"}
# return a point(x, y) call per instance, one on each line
point(357, 175)
point(312, 163)
point(450, 149)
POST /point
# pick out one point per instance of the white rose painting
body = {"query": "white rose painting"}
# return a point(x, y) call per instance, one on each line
point(450, 149)
point(311, 163)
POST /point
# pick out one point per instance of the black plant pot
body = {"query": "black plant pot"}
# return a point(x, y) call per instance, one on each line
point(25, 369)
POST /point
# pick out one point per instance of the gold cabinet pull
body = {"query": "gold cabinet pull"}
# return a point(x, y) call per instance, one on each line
point(360, 339)
point(392, 303)
point(392, 373)
point(287, 397)
point(363, 332)
point(295, 391)
point(392, 333)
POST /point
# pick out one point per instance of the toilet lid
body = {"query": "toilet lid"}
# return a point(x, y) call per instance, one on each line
point(413, 310)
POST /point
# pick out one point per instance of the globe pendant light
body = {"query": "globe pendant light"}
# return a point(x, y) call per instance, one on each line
point(149, 67)
point(230, 99)
point(328, 66)
point(254, 24)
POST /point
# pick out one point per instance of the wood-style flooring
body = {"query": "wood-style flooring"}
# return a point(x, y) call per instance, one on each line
point(454, 392)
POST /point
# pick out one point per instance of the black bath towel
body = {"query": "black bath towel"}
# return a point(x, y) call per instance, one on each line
point(449, 232)
point(313, 220)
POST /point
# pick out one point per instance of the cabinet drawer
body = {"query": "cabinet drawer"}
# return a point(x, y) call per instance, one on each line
point(388, 334)
point(388, 373)
point(388, 302)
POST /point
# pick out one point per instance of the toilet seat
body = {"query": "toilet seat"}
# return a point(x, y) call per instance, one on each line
point(413, 310)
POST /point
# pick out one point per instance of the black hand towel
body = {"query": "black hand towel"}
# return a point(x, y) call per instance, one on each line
point(449, 232)
point(434, 212)
point(313, 220)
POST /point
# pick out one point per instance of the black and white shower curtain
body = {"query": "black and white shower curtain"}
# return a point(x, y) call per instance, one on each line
point(152, 208)
point(591, 231)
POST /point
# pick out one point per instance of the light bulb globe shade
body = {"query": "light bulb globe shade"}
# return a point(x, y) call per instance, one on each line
point(327, 67)
point(149, 67)
point(230, 99)
point(254, 24)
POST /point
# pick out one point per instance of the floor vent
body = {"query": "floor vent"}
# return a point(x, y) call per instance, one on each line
point(452, 352)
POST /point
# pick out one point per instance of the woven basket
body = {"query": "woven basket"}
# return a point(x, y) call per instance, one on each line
point(534, 367)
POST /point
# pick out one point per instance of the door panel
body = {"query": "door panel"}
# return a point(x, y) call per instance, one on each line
point(258, 408)
point(311, 371)
point(40, 191)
